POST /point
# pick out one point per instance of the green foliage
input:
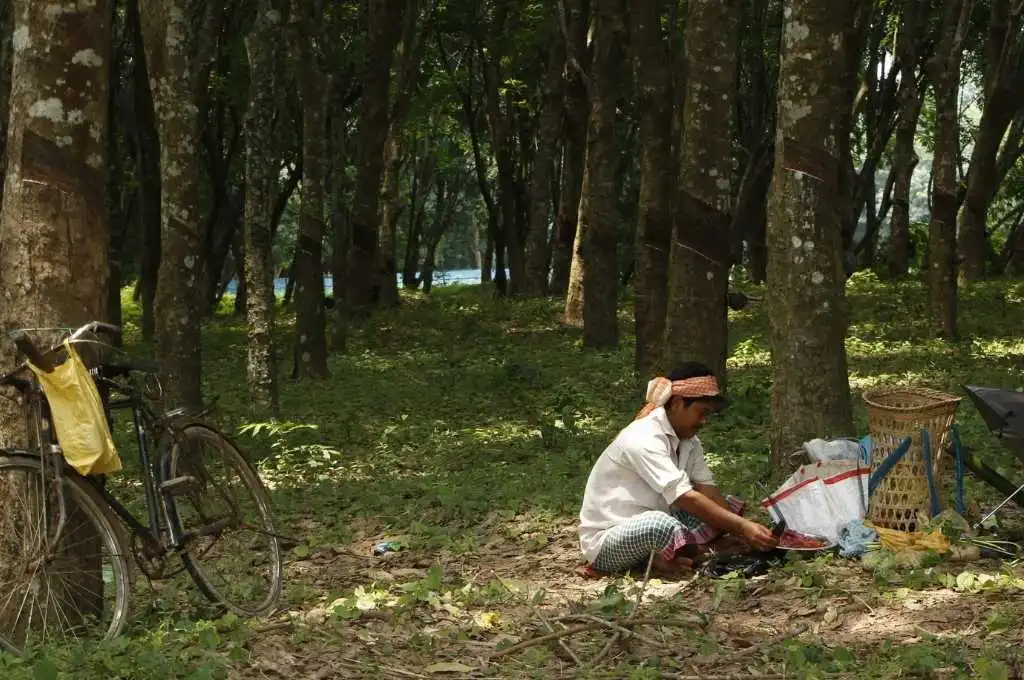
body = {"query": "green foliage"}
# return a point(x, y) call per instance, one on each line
point(461, 427)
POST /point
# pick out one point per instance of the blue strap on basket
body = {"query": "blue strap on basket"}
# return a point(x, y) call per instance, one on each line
point(929, 472)
point(865, 450)
point(954, 433)
point(886, 466)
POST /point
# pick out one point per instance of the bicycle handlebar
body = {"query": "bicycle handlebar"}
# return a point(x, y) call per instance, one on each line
point(42, 359)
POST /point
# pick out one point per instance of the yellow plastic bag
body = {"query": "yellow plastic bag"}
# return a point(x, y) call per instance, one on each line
point(78, 417)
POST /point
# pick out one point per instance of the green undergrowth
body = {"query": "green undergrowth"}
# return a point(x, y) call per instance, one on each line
point(459, 419)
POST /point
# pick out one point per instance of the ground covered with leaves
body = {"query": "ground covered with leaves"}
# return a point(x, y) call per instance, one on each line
point(459, 429)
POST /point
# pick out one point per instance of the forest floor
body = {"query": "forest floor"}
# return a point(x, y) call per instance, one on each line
point(461, 428)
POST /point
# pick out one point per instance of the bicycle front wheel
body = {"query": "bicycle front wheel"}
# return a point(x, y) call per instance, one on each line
point(222, 511)
point(56, 585)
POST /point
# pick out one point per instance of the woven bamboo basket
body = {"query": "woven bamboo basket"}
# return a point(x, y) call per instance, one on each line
point(893, 414)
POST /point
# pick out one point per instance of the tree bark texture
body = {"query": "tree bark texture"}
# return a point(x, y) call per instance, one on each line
point(260, 166)
point(6, 60)
point(1003, 99)
point(54, 231)
point(310, 318)
point(146, 143)
point(363, 270)
point(942, 262)
point(390, 212)
point(508, 236)
point(695, 322)
point(175, 52)
point(538, 251)
point(806, 298)
point(595, 264)
point(904, 158)
point(652, 69)
point(340, 193)
point(573, 146)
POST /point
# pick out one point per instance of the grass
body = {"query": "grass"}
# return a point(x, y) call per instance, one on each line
point(462, 428)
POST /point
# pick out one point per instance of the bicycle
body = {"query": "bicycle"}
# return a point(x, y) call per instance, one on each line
point(67, 515)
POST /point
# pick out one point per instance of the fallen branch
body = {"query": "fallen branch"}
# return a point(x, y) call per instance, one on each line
point(632, 615)
point(622, 630)
point(561, 642)
point(735, 656)
point(557, 635)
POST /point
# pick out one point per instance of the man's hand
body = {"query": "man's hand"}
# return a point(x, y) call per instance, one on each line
point(759, 536)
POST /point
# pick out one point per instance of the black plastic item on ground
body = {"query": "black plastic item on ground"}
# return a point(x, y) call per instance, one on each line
point(747, 564)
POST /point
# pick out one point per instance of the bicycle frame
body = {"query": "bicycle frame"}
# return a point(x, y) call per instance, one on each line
point(143, 421)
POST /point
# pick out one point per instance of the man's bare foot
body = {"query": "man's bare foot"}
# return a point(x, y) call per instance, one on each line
point(677, 566)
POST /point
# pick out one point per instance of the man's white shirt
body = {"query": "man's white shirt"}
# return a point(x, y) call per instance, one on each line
point(646, 467)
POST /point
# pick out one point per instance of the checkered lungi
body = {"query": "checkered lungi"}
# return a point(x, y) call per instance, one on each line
point(629, 544)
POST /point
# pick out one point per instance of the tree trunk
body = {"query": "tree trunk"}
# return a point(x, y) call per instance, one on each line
point(310, 319)
point(487, 266)
point(652, 70)
point(538, 253)
point(1003, 98)
point(806, 298)
point(424, 165)
point(574, 145)
point(750, 215)
point(339, 193)
point(695, 324)
point(507, 235)
point(260, 166)
point(363, 268)
point(942, 264)
point(54, 266)
point(1014, 250)
point(146, 143)
point(172, 32)
point(595, 264)
point(904, 160)
point(391, 211)
point(241, 304)
point(6, 60)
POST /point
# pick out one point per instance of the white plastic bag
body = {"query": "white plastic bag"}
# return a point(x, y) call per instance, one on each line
point(806, 509)
point(836, 449)
point(819, 499)
point(848, 494)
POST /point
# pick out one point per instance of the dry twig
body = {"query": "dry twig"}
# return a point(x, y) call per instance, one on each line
point(632, 615)
point(532, 642)
point(622, 630)
point(735, 656)
point(551, 629)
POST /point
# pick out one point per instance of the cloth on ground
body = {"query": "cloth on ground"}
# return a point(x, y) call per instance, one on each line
point(629, 544)
point(855, 537)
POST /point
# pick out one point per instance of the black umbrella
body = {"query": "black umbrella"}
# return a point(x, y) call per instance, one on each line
point(1003, 412)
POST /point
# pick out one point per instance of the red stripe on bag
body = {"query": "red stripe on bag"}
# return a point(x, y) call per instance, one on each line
point(772, 500)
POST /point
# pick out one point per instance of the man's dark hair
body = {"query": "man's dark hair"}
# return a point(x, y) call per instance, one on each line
point(695, 369)
point(689, 369)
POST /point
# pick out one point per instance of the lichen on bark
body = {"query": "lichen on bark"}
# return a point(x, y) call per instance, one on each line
point(806, 295)
point(176, 46)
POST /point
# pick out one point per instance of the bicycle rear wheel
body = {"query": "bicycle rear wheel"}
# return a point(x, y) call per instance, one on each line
point(75, 587)
point(222, 509)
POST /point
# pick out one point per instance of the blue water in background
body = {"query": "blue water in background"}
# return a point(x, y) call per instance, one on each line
point(469, 277)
